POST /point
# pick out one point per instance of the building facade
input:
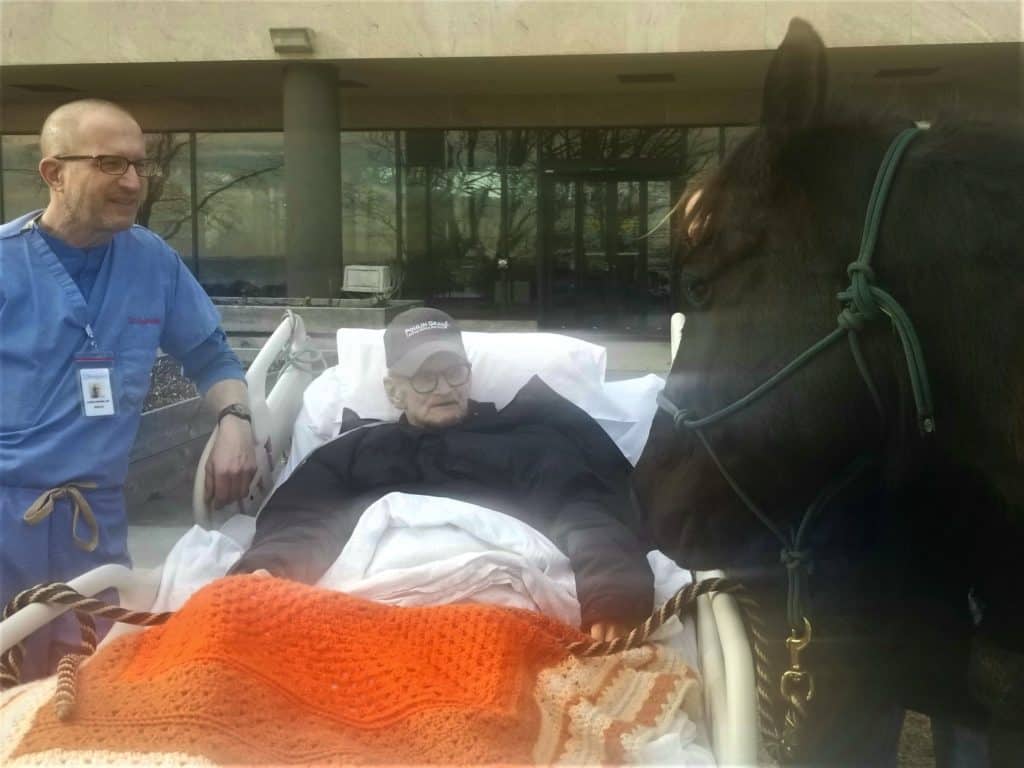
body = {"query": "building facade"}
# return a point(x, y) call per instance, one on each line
point(510, 160)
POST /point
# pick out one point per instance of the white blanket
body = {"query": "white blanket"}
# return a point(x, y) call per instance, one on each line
point(424, 550)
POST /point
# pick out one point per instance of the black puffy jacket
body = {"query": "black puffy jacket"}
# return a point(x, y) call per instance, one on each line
point(540, 459)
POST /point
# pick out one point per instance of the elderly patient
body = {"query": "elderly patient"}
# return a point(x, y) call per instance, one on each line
point(540, 459)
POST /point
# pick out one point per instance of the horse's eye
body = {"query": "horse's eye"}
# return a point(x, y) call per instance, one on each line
point(698, 292)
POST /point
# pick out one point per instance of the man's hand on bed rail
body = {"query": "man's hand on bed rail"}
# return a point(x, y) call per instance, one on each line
point(608, 630)
point(232, 462)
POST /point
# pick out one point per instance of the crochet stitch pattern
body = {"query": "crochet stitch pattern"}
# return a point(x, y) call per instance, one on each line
point(258, 670)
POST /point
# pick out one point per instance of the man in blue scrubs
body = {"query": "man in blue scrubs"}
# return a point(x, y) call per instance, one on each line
point(86, 299)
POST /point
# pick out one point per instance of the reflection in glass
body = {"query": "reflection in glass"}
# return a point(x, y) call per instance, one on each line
point(598, 144)
point(418, 268)
point(23, 187)
point(167, 208)
point(466, 223)
point(562, 144)
point(462, 216)
point(369, 226)
point(241, 213)
point(453, 216)
point(659, 250)
point(702, 152)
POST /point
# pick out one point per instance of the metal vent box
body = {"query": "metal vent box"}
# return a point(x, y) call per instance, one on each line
point(368, 278)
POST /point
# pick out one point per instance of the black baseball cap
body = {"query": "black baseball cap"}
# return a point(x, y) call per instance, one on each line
point(416, 334)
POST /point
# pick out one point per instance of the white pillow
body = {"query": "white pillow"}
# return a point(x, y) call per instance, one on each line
point(502, 364)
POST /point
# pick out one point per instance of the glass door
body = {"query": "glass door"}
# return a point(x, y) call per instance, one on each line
point(602, 272)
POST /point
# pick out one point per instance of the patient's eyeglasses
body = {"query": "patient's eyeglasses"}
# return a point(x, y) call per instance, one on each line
point(115, 165)
point(425, 382)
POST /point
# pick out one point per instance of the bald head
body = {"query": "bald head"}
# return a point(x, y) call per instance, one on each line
point(66, 127)
point(88, 205)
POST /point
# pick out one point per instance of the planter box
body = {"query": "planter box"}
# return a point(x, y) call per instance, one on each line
point(249, 322)
point(263, 318)
point(163, 463)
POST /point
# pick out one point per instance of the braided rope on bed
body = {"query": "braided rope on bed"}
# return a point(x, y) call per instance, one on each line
point(679, 605)
point(682, 603)
point(85, 609)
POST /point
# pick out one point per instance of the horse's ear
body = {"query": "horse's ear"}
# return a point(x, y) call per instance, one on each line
point(797, 80)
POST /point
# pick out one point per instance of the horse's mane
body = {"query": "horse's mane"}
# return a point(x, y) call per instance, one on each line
point(755, 176)
point(969, 169)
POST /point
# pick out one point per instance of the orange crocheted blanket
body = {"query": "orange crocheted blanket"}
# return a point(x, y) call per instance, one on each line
point(257, 670)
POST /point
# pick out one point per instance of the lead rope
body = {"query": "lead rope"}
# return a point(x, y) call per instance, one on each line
point(679, 605)
point(85, 609)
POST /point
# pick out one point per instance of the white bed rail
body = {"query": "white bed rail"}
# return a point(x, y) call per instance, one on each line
point(727, 665)
point(273, 416)
point(137, 591)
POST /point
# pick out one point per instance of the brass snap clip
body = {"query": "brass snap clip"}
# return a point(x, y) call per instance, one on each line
point(797, 683)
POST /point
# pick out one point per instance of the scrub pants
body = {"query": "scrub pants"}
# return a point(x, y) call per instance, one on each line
point(47, 552)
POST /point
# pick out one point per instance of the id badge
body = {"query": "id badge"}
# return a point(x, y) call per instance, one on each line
point(96, 383)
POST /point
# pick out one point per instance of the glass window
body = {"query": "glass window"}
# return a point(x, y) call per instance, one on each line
point(518, 254)
point(466, 216)
point(418, 267)
point(562, 144)
point(519, 148)
point(649, 143)
point(240, 205)
point(659, 248)
point(167, 209)
point(614, 144)
point(23, 187)
point(452, 214)
point(702, 151)
point(369, 226)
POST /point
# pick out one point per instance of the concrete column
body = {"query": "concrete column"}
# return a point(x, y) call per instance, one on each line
point(312, 179)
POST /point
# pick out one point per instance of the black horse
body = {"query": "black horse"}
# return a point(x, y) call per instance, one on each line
point(907, 567)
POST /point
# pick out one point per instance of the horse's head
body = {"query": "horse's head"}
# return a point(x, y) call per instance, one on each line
point(771, 234)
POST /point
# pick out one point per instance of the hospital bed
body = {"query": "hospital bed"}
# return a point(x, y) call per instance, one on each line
point(277, 380)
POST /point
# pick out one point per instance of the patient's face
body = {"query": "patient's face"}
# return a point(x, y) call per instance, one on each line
point(446, 405)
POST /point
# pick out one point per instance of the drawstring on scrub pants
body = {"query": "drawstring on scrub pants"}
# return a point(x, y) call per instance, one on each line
point(43, 506)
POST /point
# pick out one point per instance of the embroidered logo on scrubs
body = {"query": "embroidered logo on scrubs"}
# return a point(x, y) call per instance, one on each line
point(144, 320)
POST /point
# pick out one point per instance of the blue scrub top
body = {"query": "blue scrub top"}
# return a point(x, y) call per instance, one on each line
point(143, 298)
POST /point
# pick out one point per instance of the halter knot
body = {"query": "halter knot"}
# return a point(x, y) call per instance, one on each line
point(796, 558)
point(851, 319)
point(679, 418)
point(859, 297)
point(860, 268)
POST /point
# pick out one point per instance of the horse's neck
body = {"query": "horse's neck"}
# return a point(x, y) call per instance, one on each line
point(950, 252)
